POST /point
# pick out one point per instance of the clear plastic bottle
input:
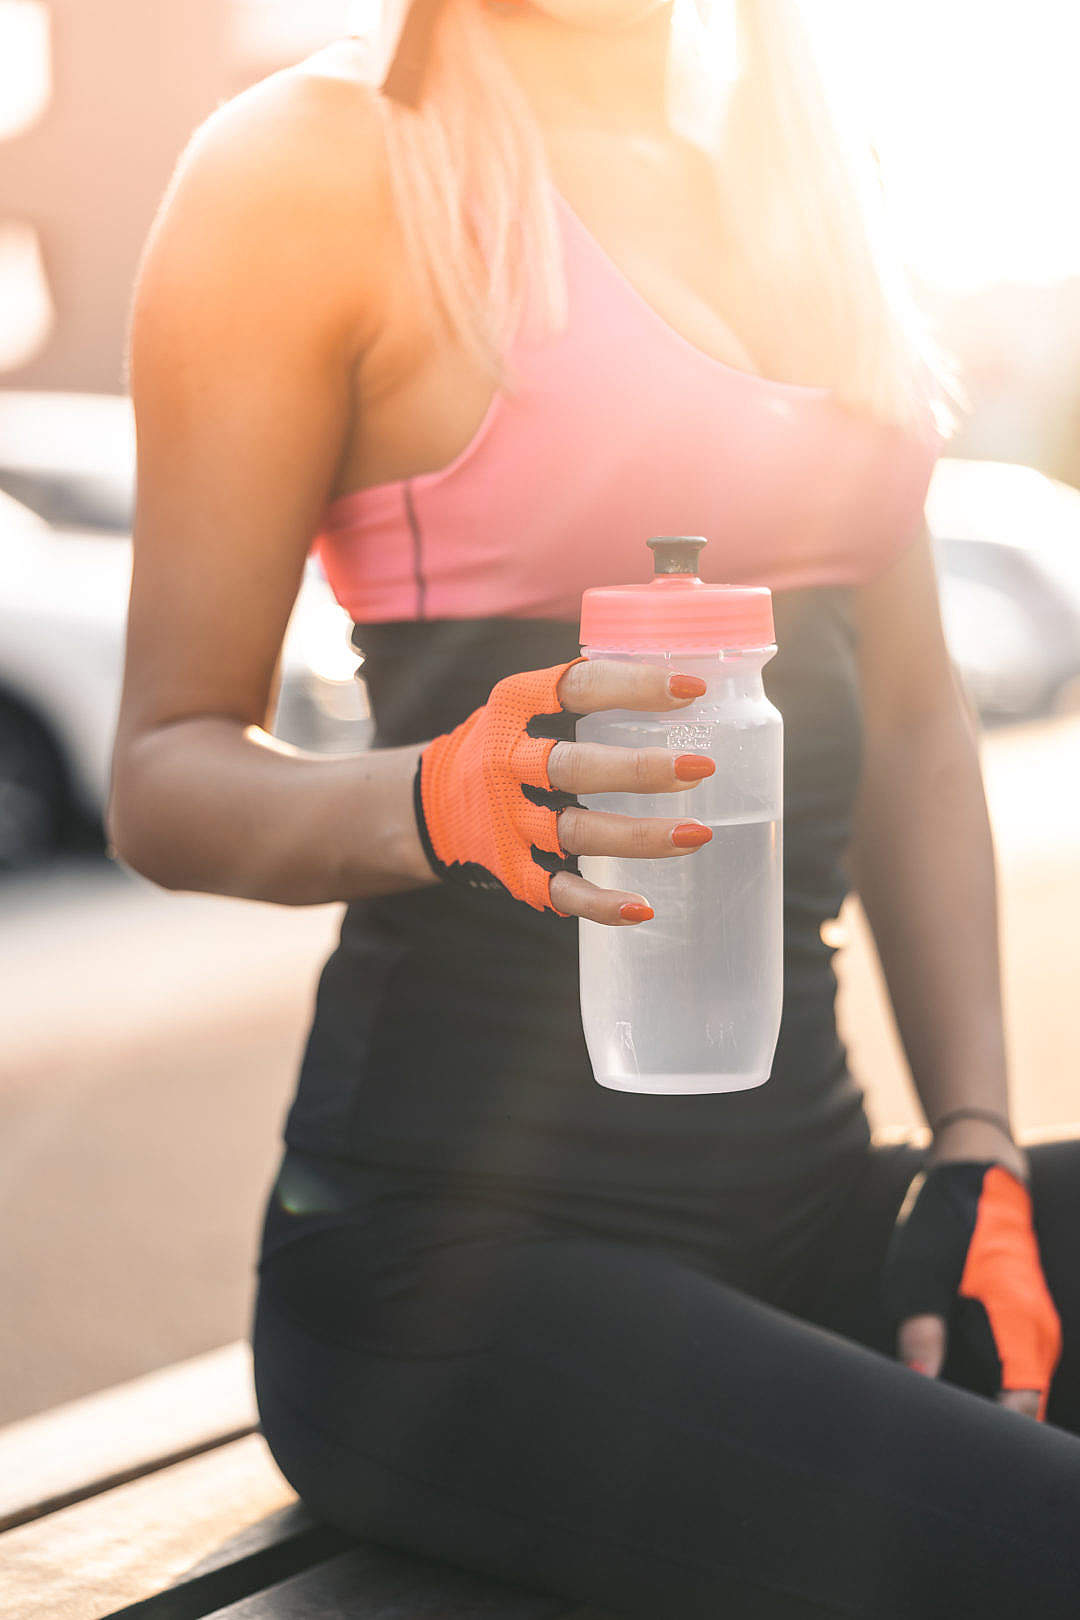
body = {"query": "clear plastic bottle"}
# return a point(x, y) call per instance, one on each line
point(690, 1001)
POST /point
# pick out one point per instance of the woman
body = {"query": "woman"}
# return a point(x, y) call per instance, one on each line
point(482, 326)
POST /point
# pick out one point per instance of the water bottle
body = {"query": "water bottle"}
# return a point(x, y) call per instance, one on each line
point(690, 1000)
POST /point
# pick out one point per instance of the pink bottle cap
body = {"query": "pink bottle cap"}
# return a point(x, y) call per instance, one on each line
point(676, 611)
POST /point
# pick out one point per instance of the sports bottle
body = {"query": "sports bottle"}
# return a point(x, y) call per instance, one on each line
point(690, 1000)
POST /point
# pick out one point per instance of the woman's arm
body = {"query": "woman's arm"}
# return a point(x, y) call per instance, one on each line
point(257, 297)
point(257, 301)
point(922, 860)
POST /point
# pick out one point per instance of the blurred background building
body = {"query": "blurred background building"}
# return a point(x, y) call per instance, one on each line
point(97, 98)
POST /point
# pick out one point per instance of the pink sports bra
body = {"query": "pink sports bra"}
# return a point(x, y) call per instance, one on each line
point(622, 429)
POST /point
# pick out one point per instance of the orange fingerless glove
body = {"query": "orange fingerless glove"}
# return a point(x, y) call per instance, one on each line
point(485, 807)
point(967, 1251)
point(1003, 1273)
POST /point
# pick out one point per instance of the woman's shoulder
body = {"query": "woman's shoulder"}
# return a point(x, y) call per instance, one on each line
point(305, 143)
point(280, 206)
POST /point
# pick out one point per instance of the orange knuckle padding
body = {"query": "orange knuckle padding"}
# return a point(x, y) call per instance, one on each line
point(528, 760)
point(477, 824)
point(536, 825)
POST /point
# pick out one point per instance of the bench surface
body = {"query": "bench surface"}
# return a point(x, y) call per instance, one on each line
point(86, 1446)
point(159, 1500)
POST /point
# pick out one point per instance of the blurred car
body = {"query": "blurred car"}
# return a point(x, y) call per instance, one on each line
point(1007, 548)
point(63, 605)
point(70, 457)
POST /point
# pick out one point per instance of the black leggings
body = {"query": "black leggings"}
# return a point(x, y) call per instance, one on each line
point(663, 1428)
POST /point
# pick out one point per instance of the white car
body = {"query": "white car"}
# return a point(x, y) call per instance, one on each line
point(70, 457)
point(1007, 545)
point(63, 609)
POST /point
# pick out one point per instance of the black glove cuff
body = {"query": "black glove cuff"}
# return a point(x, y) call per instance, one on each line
point(926, 1256)
point(438, 867)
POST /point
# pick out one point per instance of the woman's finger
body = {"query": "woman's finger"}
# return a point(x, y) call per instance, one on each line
point(598, 832)
point(572, 893)
point(609, 683)
point(606, 768)
point(921, 1344)
point(1025, 1401)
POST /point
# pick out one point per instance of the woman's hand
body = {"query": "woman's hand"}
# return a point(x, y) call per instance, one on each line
point(964, 1260)
point(496, 803)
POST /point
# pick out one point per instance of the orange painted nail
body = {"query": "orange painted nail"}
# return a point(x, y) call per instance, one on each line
point(690, 834)
point(684, 686)
point(692, 767)
point(634, 911)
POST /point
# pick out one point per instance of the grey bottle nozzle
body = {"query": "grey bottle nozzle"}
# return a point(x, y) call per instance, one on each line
point(675, 553)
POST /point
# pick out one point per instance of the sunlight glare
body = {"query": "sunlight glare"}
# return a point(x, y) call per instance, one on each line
point(974, 113)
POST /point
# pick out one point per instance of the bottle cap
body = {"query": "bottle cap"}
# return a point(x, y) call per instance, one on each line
point(677, 611)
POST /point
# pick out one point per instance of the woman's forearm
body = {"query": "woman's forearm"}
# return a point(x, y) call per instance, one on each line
point(922, 860)
point(211, 804)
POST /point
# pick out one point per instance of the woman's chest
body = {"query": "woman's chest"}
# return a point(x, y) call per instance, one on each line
point(648, 216)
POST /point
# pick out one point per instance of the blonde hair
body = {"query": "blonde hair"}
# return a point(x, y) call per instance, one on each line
point(472, 195)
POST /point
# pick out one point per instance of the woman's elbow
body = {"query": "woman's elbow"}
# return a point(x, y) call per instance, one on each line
point(127, 840)
point(132, 828)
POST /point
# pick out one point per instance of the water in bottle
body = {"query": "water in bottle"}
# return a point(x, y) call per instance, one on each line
point(690, 1001)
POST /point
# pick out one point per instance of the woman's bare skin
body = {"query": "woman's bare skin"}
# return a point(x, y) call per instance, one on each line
point(275, 364)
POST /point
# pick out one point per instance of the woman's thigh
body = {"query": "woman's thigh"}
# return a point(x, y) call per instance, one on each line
point(839, 1288)
point(602, 1421)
